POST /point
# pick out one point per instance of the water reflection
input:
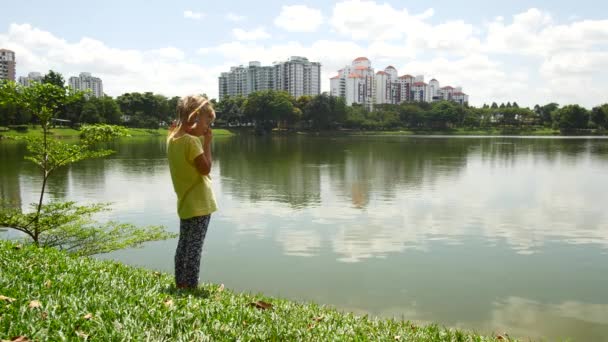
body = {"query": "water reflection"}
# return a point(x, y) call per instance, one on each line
point(494, 234)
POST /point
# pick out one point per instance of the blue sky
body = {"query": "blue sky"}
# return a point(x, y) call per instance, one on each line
point(525, 51)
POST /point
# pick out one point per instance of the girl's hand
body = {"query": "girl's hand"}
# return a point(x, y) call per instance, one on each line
point(208, 135)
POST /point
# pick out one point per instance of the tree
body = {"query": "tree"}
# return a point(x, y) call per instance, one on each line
point(494, 105)
point(545, 113)
point(90, 112)
point(110, 111)
point(571, 117)
point(318, 112)
point(66, 225)
point(267, 107)
point(515, 105)
point(54, 78)
point(599, 116)
point(11, 113)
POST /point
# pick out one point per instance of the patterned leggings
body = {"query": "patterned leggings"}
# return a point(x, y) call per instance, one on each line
point(192, 233)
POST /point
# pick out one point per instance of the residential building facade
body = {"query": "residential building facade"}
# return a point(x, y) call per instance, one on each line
point(355, 83)
point(358, 84)
point(31, 77)
point(7, 65)
point(85, 81)
point(298, 76)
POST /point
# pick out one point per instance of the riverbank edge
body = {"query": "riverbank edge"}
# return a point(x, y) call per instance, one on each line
point(457, 132)
point(66, 133)
point(46, 294)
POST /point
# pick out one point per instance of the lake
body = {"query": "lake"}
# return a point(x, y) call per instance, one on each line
point(492, 234)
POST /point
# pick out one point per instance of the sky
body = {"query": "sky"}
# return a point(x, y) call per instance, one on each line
point(530, 52)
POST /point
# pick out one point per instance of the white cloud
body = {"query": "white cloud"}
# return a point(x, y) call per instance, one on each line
point(164, 70)
point(299, 18)
point(256, 34)
point(193, 15)
point(535, 33)
point(235, 17)
point(368, 20)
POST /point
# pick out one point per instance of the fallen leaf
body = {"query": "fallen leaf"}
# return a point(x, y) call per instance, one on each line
point(48, 284)
point(19, 339)
point(311, 325)
point(397, 338)
point(168, 302)
point(87, 316)
point(7, 299)
point(318, 319)
point(44, 315)
point(156, 274)
point(81, 334)
point(500, 337)
point(34, 304)
point(261, 305)
point(18, 247)
point(221, 288)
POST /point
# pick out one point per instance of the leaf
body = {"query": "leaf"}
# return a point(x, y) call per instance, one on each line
point(318, 319)
point(48, 284)
point(34, 304)
point(156, 274)
point(397, 338)
point(19, 339)
point(7, 299)
point(87, 316)
point(261, 305)
point(81, 334)
point(221, 288)
point(168, 302)
point(17, 247)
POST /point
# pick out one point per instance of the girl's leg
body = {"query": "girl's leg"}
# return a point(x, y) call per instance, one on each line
point(193, 260)
point(181, 252)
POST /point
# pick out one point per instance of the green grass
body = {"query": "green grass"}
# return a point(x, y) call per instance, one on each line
point(108, 301)
point(73, 133)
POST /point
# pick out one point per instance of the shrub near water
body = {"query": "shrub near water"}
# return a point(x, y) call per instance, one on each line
point(46, 294)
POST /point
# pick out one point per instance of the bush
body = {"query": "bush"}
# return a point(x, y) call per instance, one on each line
point(18, 128)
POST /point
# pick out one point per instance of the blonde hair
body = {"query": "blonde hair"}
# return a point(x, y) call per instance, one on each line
point(189, 108)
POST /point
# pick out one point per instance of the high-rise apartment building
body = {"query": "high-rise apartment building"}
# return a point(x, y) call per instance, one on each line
point(7, 65)
point(32, 77)
point(87, 82)
point(358, 84)
point(297, 75)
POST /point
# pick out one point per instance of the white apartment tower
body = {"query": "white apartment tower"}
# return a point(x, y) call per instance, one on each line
point(7, 65)
point(355, 83)
point(87, 82)
point(297, 75)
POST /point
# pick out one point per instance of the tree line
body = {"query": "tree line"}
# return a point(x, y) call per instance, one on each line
point(276, 109)
point(267, 110)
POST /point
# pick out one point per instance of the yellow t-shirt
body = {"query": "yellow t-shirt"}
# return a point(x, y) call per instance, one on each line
point(194, 194)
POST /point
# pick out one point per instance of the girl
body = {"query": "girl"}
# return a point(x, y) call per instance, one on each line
point(189, 154)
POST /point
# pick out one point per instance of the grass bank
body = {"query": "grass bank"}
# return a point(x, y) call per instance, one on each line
point(463, 131)
point(50, 295)
point(66, 133)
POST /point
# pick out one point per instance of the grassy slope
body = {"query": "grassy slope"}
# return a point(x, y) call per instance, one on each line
point(127, 303)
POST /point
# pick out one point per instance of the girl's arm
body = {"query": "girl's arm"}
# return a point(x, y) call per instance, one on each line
point(203, 161)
